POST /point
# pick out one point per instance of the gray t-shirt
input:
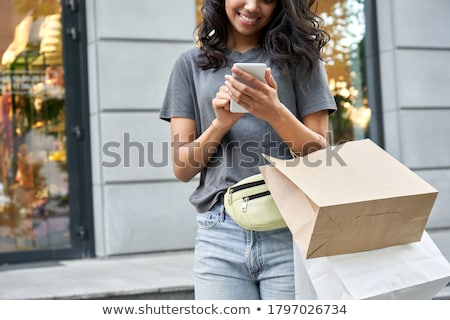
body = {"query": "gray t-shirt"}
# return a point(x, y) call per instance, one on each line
point(190, 92)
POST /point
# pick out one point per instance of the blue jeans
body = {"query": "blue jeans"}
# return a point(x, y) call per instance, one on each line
point(232, 263)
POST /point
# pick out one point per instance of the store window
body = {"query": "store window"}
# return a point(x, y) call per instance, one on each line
point(344, 20)
point(34, 207)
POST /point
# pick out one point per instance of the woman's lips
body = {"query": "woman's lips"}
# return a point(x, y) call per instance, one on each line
point(247, 20)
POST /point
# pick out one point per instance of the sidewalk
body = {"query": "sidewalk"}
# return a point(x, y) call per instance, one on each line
point(154, 276)
point(150, 276)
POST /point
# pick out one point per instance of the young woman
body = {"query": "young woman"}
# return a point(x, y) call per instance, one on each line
point(286, 113)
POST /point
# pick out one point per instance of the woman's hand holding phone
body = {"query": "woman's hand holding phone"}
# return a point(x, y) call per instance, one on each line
point(259, 97)
point(258, 70)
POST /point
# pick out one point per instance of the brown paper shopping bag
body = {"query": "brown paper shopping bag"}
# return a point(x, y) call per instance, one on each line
point(349, 198)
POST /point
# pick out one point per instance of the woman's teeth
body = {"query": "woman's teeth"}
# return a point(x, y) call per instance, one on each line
point(247, 19)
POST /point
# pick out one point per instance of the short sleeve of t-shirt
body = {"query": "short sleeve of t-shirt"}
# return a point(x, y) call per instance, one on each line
point(179, 100)
point(312, 93)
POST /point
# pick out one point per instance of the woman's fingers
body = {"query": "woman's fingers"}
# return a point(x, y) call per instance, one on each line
point(270, 79)
point(258, 97)
point(239, 91)
point(222, 99)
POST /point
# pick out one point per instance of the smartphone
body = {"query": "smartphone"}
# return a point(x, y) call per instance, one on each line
point(258, 70)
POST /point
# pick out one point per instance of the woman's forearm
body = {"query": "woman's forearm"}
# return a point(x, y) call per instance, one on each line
point(302, 137)
point(189, 158)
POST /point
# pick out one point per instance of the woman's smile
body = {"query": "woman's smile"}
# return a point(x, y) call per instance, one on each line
point(247, 19)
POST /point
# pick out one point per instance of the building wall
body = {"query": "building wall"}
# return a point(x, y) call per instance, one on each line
point(132, 46)
point(415, 80)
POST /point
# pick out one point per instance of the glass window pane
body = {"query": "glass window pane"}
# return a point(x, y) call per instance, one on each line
point(34, 210)
point(344, 21)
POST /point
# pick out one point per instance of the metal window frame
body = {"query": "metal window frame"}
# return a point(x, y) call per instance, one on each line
point(373, 77)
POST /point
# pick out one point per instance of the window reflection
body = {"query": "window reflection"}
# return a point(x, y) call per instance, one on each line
point(34, 211)
point(345, 22)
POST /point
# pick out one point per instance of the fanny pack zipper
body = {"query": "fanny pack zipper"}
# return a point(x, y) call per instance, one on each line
point(252, 197)
point(247, 185)
point(231, 190)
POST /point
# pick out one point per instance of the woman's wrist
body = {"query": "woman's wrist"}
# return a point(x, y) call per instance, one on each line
point(300, 138)
point(281, 117)
point(218, 128)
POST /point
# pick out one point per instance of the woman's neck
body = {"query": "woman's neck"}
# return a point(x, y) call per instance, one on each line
point(242, 43)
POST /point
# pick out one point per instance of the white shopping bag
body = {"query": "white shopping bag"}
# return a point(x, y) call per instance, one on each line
point(413, 271)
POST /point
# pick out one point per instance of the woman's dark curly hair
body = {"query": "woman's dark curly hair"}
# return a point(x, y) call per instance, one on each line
point(292, 35)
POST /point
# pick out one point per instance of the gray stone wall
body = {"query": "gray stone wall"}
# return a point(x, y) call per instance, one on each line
point(132, 46)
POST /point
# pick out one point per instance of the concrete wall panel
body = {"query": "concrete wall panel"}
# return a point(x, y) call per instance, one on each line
point(440, 216)
point(135, 147)
point(149, 217)
point(423, 78)
point(134, 75)
point(424, 138)
point(144, 19)
point(422, 24)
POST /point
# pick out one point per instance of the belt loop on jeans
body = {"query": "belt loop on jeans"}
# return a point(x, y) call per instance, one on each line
point(222, 207)
point(220, 199)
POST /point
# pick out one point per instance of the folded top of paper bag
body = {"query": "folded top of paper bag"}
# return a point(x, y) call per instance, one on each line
point(351, 172)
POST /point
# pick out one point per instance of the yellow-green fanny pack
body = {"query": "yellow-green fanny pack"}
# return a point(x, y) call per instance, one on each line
point(250, 204)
